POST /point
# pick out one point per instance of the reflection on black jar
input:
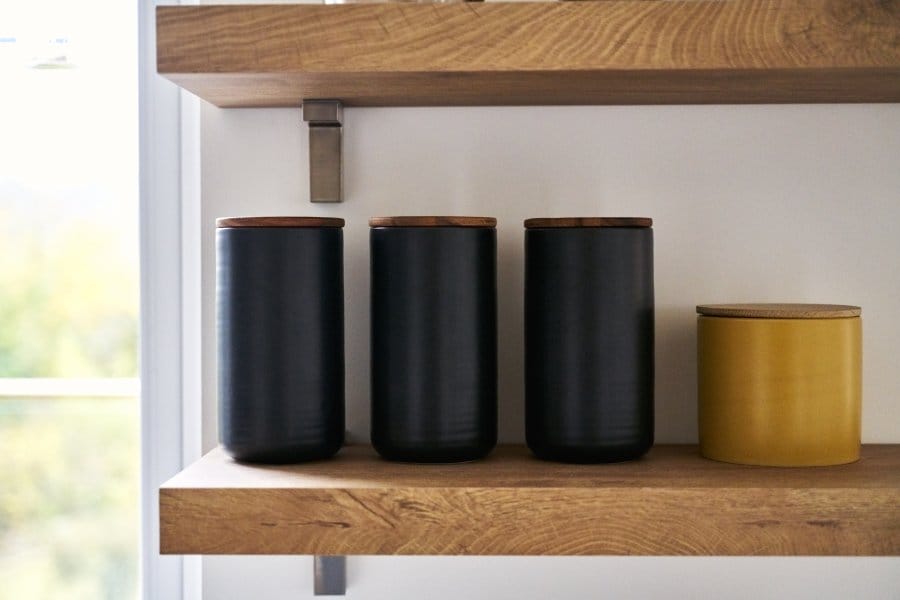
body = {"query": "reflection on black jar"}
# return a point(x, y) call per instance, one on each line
point(589, 338)
point(280, 311)
point(434, 337)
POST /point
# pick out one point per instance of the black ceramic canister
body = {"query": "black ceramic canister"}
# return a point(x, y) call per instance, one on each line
point(434, 337)
point(589, 338)
point(280, 311)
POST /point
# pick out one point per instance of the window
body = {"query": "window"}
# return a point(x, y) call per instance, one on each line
point(69, 431)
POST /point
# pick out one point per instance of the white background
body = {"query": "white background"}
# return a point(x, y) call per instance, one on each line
point(750, 203)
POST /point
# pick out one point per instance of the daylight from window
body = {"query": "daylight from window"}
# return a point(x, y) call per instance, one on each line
point(69, 431)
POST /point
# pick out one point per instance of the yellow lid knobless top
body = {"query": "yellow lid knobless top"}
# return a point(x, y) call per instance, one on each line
point(779, 311)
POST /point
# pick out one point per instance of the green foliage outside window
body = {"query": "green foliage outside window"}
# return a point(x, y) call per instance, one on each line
point(68, 466)
point(68, 295)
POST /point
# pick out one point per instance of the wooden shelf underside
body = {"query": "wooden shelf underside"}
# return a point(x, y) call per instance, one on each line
point(672, 502)
point(609, 52)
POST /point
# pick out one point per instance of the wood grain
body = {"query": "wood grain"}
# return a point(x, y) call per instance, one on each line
point(279, 222)
point(432, 222)
point(611, 52)
point(779, 311)
point(588, 222)
point(670, 503)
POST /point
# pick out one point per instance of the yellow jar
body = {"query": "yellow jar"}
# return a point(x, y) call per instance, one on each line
point(779, 384)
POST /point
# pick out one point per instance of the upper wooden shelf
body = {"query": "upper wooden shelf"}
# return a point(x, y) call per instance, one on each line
point(672, 502)
point(608, 52)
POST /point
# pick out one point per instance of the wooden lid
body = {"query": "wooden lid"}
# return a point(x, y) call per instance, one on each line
point(432, 222)
point(779, 311)
point(279, 222)
point(588, 222)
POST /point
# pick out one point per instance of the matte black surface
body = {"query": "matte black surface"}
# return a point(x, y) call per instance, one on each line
point(434, 343)
point(280, 310)
point(589, 343)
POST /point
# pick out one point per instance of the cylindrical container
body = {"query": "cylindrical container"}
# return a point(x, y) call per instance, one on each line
point(589, 338)
point(434, 337)
point(280, 311)
point(779, 384)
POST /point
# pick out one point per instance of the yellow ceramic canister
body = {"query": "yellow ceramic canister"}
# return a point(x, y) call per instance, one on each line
point(779, 384)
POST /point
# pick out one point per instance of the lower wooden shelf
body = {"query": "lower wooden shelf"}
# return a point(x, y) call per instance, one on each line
point(672, 502)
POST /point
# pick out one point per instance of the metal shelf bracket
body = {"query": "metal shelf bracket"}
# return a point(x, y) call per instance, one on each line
point(330, 573)
point(325, 119)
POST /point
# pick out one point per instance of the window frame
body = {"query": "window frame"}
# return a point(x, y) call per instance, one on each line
point(170, 338)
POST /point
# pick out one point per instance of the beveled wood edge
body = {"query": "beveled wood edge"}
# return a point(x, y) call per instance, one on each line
point(279, 222)
point(432, 221)
point(780, 311)
point(602, 522)
point(561, 222)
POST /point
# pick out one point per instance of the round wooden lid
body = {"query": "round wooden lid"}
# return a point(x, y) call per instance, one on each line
point(432, 222)
point(588, 222)
point(279, 222)
point(779, 311)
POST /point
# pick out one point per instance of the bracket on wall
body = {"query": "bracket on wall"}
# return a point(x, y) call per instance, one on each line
point(330, 574)
point(325, 164)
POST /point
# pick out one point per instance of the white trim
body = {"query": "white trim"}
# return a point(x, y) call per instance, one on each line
point(170, 298)
point(191, 322)
point(191, 279)
point(191, 311)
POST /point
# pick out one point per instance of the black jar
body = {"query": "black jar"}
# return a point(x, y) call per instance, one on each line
point(280, 312)
point(589, 338)
point(434, 337)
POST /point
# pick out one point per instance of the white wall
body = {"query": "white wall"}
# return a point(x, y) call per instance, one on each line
point(750, 203)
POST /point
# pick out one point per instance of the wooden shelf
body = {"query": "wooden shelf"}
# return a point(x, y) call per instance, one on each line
point(626, 52)
point(672, 502)
point(610, 52)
